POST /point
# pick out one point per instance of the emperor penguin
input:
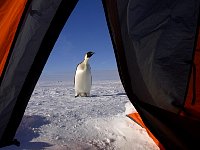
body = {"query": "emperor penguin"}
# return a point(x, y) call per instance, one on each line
point(83, 77)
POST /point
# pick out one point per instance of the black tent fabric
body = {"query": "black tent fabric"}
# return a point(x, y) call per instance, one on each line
point(154, 44)
point(41, 26)
point(158, 39)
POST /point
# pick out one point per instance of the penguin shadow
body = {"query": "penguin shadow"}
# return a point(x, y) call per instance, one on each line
point(121, 94)
point(118, 94)
point(94, 96)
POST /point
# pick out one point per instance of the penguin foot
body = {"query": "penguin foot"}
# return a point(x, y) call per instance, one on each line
point(82, 95)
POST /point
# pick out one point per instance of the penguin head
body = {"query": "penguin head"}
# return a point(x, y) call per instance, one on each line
point(89, 54)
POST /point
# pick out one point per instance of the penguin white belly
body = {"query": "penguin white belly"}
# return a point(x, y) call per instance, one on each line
point(83, 83)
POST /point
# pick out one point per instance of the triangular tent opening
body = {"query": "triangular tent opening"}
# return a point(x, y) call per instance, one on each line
point(156, 46)
point(59, 117)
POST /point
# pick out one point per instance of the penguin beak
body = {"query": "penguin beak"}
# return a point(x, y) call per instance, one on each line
point(92, 53)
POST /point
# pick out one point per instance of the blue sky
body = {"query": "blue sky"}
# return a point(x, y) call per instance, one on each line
point(85, 30)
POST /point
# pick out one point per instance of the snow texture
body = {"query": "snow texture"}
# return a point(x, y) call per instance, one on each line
point(56, 120)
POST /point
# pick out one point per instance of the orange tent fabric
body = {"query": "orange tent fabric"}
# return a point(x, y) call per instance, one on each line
point(194, 109)
point(10, 14)
point(136, 117)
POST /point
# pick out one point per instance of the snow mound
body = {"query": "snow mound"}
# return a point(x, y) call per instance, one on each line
point(129, 108)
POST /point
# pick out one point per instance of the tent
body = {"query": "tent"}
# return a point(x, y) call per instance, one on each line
point(157, 49)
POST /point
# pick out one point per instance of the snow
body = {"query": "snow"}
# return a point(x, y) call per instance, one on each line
point(56, 120)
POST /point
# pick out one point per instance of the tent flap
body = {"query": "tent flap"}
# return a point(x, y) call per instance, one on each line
point(44, 19)
point(154, 43)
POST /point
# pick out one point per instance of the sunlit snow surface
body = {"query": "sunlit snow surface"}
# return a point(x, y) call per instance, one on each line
point(56, 120)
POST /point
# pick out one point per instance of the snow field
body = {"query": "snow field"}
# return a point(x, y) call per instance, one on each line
point(56, 120)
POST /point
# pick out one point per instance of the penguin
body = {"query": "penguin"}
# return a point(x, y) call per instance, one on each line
point(83, 77)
